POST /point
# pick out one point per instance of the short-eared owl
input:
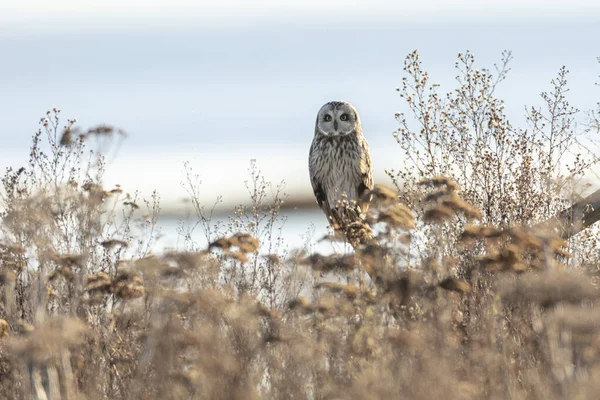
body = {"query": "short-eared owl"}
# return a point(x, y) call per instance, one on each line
point(339, 162)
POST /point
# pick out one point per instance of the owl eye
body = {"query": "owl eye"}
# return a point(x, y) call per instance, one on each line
point(328, 118)
point(344, 117)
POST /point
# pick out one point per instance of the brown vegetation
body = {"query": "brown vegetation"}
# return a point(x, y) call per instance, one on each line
point(460, 294)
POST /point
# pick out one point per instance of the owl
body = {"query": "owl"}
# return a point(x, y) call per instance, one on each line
point(339, 164)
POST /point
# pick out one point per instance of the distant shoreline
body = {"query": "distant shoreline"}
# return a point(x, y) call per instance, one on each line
point(299, 204)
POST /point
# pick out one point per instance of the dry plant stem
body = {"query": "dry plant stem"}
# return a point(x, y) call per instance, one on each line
point(581, 215)
point(467, 299)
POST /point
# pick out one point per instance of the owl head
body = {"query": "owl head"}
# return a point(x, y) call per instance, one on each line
point(336, 119)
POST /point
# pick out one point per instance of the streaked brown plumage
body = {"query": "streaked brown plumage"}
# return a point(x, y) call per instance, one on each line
point(340, 164)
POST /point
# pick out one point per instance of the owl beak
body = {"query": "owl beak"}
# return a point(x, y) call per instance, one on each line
point(335, 125)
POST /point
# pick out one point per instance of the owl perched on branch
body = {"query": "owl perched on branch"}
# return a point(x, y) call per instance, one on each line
point(340, 165)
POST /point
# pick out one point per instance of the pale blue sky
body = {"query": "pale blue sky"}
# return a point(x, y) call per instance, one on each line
point(218, 86)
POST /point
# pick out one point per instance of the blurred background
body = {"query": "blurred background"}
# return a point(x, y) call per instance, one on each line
point(219, 85)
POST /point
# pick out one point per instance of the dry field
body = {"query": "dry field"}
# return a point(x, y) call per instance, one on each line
point(463, 283)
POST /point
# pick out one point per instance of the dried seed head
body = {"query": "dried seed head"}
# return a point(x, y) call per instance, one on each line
point(438, 215)
point(505, 259)
point(358, 232)
point(455, 203)
point(101, 130)
point(479, 232)
point(4, 328)
point(99, 282)
point(238, 255)
point(265, 311)
point(245, 242)
point(455, 285)
point(435, 196)
point(274, 259)
point(381, 194)
point(438, 181)
point(67, 137)
point(112, 243)
point(300, 303)
point(333, 262)
point(65, 272)
point(116, 190)
point(69, 260)
point(397, 216)
point(128, 285)
point(131, 204)
point(222, 243)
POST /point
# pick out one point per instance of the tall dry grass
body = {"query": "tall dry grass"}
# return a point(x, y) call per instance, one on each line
point(455, 292)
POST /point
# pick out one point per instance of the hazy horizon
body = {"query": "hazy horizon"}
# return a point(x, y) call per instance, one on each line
point(220, 94)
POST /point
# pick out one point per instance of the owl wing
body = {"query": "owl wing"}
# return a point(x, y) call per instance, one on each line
point(365, 183)
point(319, 187)
point(320, 194)
point(323, 202)
point(313, 164)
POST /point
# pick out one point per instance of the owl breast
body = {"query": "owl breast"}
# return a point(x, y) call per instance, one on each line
point(335, 166)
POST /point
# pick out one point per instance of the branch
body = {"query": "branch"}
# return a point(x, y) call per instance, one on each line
point(576, 218)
